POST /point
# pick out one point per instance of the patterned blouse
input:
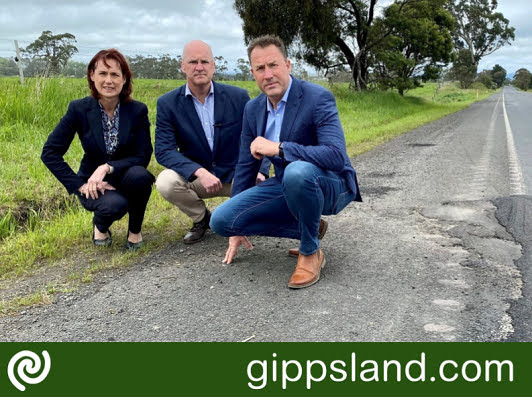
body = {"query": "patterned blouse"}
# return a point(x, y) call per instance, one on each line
point(110, 129)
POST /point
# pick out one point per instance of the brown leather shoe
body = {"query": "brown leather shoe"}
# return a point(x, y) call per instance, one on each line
point(294, 252)
point(308, 269)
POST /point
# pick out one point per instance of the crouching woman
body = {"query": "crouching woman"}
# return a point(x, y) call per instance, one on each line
point(114, 131)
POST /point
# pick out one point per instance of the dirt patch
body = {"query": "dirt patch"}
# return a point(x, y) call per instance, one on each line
point(21, 214)
point(51, 278)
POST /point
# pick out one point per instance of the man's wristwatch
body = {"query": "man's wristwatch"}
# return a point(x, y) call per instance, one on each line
point(111, 169)
point(281, 151)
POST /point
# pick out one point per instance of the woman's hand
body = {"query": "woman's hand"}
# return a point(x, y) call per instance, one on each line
point(96, 183)
point(102, 187)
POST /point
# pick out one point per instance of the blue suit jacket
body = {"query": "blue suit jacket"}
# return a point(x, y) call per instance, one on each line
point(311, 132)
point(84, 118)
point(180, 142)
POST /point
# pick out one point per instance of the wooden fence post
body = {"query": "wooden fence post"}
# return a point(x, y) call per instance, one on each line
point(19, 63)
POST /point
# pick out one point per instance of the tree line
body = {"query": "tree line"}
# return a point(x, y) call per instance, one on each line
point(50, 55)
point(144, 67)
point(398, 46)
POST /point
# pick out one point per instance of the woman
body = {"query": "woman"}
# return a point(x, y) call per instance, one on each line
point(115, 135)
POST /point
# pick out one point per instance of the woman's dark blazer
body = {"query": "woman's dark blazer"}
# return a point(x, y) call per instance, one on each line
point(84, 118)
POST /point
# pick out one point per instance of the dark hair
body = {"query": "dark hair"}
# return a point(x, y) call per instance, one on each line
point(104, 56)
point(265, 41)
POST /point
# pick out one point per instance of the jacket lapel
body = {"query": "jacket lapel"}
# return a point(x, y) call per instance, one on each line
point(292, 106)
point(124, 126)
point(219, 112)
point(195, 122)
point(94, 116)
point(262, 116)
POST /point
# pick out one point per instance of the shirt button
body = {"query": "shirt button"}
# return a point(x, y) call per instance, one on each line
point(214, 164)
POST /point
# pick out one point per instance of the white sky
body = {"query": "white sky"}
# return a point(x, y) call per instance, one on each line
point(156, 27)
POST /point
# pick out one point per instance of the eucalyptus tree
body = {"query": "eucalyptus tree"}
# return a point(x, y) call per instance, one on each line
point(325, 34)
point(479, 28)
point(56, 50)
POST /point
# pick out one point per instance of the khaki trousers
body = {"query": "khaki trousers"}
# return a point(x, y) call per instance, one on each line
point(187, 196)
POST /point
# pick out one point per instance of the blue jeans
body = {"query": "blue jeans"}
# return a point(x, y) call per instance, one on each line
point(290, 208)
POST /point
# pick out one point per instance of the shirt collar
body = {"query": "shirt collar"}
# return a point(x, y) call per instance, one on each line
point(283, 100)
point(188, 92)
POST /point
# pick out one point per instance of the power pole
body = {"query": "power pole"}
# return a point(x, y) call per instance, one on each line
point(19, 63)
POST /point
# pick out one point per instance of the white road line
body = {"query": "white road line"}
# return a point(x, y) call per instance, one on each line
point(479, 176)
point(517, 183)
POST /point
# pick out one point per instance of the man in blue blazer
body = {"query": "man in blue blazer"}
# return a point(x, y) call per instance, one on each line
point(197, 136)
point(295, 124)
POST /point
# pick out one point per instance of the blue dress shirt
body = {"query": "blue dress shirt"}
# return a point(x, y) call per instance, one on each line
point(275, 117)
point(205, 113)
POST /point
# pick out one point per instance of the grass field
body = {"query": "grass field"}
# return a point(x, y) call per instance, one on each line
point(42, 228)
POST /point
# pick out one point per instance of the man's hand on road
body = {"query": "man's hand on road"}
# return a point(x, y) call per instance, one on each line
point(234, 243)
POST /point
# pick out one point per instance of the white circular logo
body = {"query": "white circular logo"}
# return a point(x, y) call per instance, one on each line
point(30, 364)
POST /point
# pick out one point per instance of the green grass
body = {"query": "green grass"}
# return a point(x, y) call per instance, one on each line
point(42, 227)
point(371, 118)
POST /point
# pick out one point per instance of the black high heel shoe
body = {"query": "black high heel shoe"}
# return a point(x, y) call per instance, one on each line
point(106, 242)
point(133, 246)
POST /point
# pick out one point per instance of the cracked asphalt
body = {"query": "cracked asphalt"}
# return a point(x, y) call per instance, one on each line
point(438, 251)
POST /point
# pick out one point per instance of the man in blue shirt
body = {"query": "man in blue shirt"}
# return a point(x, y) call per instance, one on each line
point(197, 136)
point(295, 124)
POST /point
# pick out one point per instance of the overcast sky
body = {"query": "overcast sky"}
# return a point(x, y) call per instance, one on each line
point(156, 27)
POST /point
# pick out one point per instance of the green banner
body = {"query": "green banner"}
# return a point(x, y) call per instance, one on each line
point(167, 369)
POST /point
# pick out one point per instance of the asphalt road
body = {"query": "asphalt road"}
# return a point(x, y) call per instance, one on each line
point(516, 212)
point(436, 252)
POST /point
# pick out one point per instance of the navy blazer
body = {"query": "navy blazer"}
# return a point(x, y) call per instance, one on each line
point(180, 142)
point(84, 118)
point(311, 132)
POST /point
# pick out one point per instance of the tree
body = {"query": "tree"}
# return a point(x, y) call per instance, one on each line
point(143, 67)
point(243, 70)
point(55, 50)
point(167, 67)
point(522, 79)
point(463, 68)
point(299, 71)
point(164, 67)
point(479, 28)
point(221, 67)
point(75, 69)
point(8, 67)
point(417, 43)
point(34, 67)
point(325, 34)
point(485, 78)
point(498, 75)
